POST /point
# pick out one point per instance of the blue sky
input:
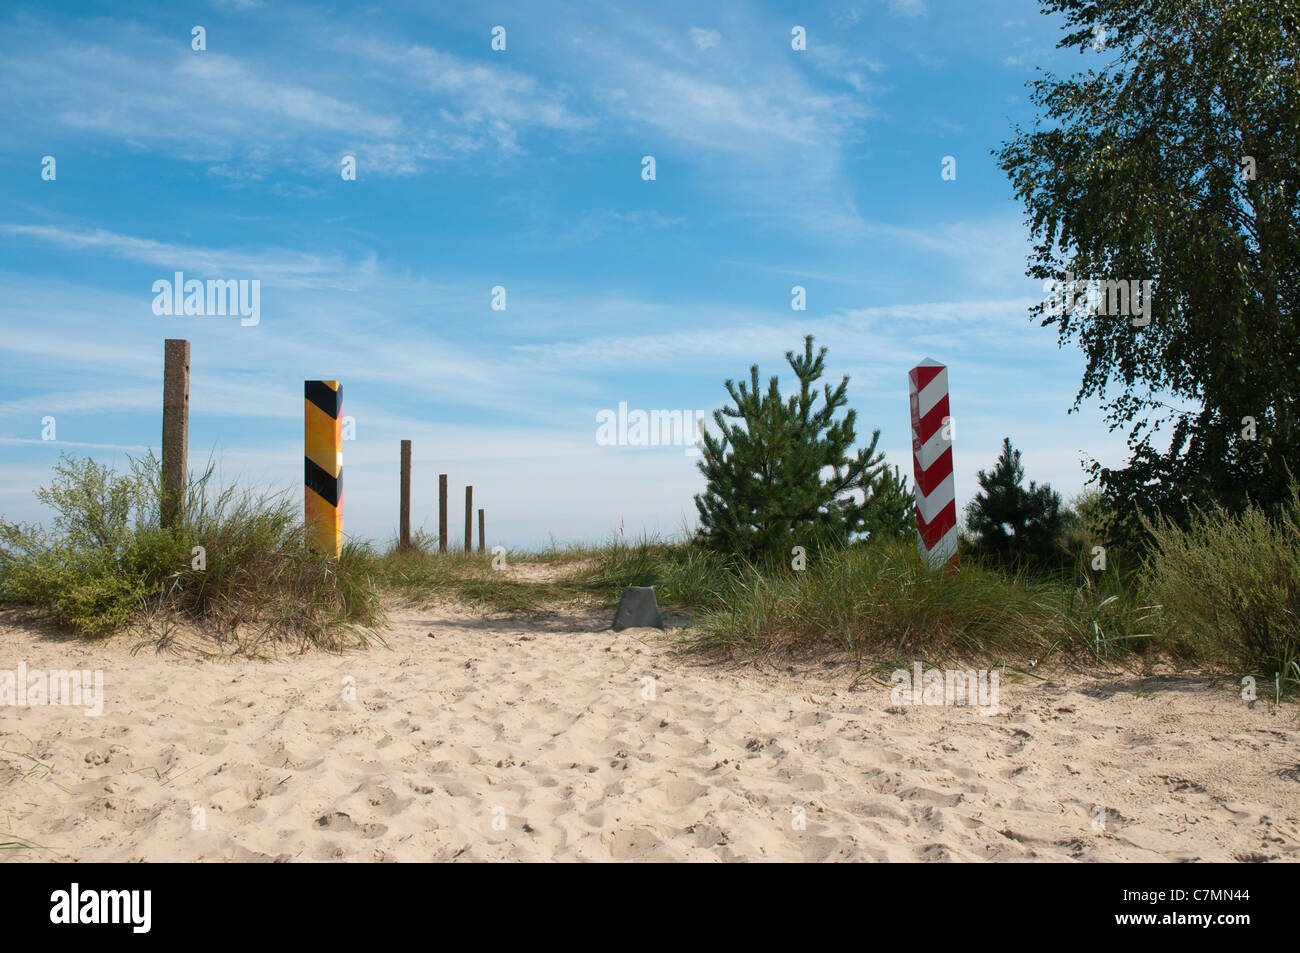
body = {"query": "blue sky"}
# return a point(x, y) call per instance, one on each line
point(519, 168)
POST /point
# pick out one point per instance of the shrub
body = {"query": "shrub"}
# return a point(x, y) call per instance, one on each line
point(106, 561)
point(86, 591)
point(1093, 511)
point(1229, 586)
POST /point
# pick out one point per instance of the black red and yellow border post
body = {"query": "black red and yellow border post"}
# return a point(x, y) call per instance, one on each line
point(323, 466)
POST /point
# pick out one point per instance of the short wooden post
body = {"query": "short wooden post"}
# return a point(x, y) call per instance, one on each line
point(175, 429)
point(323, 465)
point(481, 543)
point(442, 512)
point(404, 518)
point(469, 519)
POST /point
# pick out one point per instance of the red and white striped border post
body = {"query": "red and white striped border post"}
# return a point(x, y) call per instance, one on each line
point(936, 500)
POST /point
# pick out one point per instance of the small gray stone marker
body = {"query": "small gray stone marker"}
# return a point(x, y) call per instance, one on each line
point(637, 609)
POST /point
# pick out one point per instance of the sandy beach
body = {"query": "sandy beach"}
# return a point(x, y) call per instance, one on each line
point(480, 738)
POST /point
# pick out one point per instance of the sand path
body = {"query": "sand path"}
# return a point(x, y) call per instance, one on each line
point(509, 739)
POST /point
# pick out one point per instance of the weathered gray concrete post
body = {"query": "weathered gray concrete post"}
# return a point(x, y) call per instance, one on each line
point(175, 430)
point(637, 608)
point(469, 519)
point(481, 543)
point(442, 512)
point(404, 521)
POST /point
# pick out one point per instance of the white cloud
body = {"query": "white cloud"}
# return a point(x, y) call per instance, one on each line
point(289, 268)
point(397, 107)
point(705, 39)
point(767, 139)
point(907, 8)
point(987, 252)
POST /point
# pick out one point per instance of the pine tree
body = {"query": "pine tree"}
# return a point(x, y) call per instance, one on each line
point(781, 474)
point(891, 507)
point(1010, 522)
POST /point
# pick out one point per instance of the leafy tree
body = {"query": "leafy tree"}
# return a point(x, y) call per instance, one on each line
point(1010, 522)
point(779, 471)
point(1176, 159)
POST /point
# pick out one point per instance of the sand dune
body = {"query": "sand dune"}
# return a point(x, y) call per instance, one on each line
point(502, 739)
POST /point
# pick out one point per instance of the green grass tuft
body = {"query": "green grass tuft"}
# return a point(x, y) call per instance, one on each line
point(1229, 590)
point(878, 599)
point(106, 562)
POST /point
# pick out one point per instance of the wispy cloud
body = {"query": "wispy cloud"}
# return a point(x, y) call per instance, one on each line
point(397, 107)
point(705, 39)
point(770, 138)
point(907, 8)
point(289, 268)
point(753, 124)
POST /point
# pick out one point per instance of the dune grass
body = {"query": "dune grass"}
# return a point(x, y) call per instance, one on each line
point(867, 599)
point(238, 568)
point(682, 574)
point(419, 575)
point(1223, 593)
point(877, 600)
point(1229, 590)
point(1109, 612)
point(532, 582)
point(20, 843)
